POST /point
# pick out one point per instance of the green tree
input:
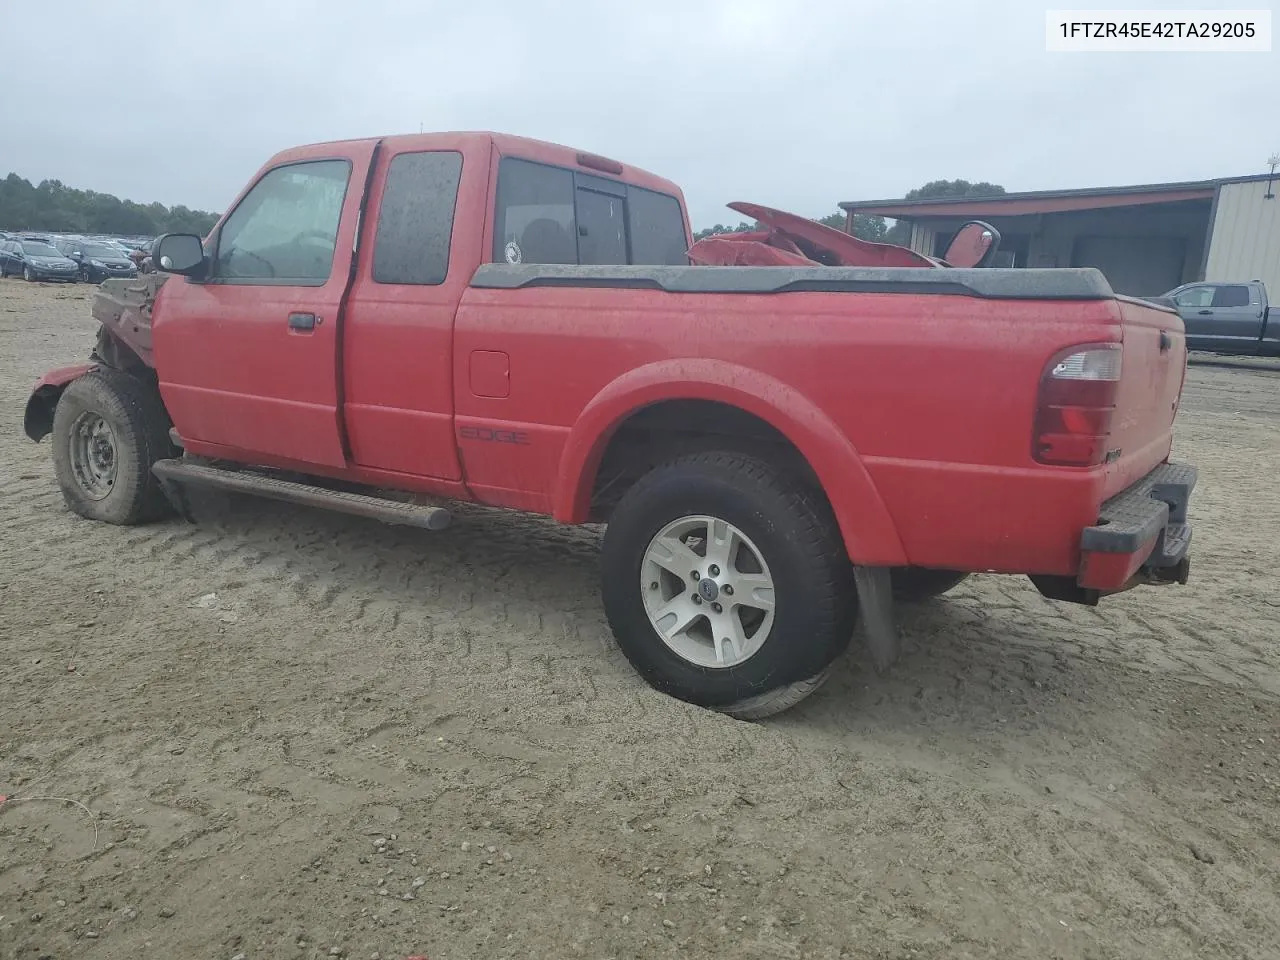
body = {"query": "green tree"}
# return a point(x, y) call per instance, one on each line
point(900, 232)
point(720, 228)
point(864, 227)
point(57, 208)
point(936, 189)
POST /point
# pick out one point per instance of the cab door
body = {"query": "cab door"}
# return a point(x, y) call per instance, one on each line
point(1193, 305)
point(1237, 312)
point(426, 203)
point(248, 355)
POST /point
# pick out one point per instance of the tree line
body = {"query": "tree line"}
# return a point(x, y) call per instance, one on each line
point(56, 208)
point(51, 206)
point(876, 229)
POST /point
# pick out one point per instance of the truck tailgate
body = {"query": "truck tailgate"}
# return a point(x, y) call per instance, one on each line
point(1152, 370)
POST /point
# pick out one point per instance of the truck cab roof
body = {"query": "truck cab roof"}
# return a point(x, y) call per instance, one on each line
point(506, 145)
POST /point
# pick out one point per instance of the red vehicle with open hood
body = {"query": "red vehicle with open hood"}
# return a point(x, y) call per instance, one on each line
point(782, 430)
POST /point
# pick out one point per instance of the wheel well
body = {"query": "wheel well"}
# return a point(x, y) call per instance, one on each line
point(37, 419)
point(664, 431)
point(109, 351)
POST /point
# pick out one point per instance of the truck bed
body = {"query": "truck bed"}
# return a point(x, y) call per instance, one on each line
point(931, 376)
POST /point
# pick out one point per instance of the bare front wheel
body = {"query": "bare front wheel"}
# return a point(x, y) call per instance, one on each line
point(109, 428)
point(93, 455)
point(726, 584)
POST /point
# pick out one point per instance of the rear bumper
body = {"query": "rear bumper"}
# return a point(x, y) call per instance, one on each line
point(1142, 534)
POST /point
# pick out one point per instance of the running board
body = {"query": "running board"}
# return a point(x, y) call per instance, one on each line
point(423, 516)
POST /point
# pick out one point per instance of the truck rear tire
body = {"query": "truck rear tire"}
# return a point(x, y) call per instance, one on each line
point(108, 430)
point(913, 584)
point(727, 584)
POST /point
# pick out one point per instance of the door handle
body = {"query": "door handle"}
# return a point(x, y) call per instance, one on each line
point(303, 321)
point(1206, 313)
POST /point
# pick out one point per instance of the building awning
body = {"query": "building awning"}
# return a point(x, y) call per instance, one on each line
point(1041, 201)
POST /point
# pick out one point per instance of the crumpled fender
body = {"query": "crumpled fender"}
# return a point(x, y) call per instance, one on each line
point(37, 421)
point(869, 533)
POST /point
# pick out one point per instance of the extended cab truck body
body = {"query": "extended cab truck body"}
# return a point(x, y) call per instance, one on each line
point(1230, 318)
point(774, 449)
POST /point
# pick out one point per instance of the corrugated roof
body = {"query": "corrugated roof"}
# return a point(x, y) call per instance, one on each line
point(1045, 201)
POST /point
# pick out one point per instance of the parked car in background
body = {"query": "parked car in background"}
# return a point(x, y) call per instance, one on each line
point(97, 260)
point(38, 260)
point(10, 256)
point(1229, 318)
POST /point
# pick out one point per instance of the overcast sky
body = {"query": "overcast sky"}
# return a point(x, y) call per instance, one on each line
point(788, 103)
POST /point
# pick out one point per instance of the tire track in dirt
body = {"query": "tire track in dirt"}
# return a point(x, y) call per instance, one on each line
point(1025, 783)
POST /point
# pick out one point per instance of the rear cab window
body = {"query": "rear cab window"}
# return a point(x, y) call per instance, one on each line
point(549, 214)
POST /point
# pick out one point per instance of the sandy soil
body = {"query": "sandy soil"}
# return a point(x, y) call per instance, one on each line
point(305, 735)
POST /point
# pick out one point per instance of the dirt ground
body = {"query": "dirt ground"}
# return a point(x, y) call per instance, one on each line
point(305, 735)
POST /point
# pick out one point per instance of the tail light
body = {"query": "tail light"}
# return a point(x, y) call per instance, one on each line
point(1077, 401)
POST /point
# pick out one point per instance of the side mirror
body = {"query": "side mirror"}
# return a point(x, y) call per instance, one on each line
point(180, 253)
point(974, 245)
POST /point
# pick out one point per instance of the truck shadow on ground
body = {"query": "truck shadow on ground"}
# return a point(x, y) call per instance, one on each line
point(974, 663)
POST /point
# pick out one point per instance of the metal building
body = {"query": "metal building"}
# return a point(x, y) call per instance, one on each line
point(1147, 239)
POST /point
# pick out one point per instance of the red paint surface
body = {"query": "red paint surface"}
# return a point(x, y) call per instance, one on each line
point(490, 374)
point(233, 373)
point(915, 411)
point(60, 377)
point(849, 250)
point(791, 240)
point(1112, 571)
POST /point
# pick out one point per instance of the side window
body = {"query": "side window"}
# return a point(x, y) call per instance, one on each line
point(1195, 297)
point(602, 229)
point(415, 219)
point(535, 220)
point(657, 228)
point(1235, 295)
point(286, 227)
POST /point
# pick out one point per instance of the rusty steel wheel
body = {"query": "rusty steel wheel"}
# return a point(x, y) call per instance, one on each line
point(109, 429)
point(93, 455)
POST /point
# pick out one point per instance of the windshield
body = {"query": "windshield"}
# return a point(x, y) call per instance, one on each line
point(101, 251)
point(34, 248)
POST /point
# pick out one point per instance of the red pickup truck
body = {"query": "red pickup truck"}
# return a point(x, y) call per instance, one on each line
point(381, 326)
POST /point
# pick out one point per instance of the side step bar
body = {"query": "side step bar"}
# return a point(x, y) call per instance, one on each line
point(423, 516)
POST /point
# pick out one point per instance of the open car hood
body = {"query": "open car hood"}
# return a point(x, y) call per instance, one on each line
point(792, 240)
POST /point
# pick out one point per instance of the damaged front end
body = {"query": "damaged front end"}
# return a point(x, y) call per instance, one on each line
point(123, 309)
